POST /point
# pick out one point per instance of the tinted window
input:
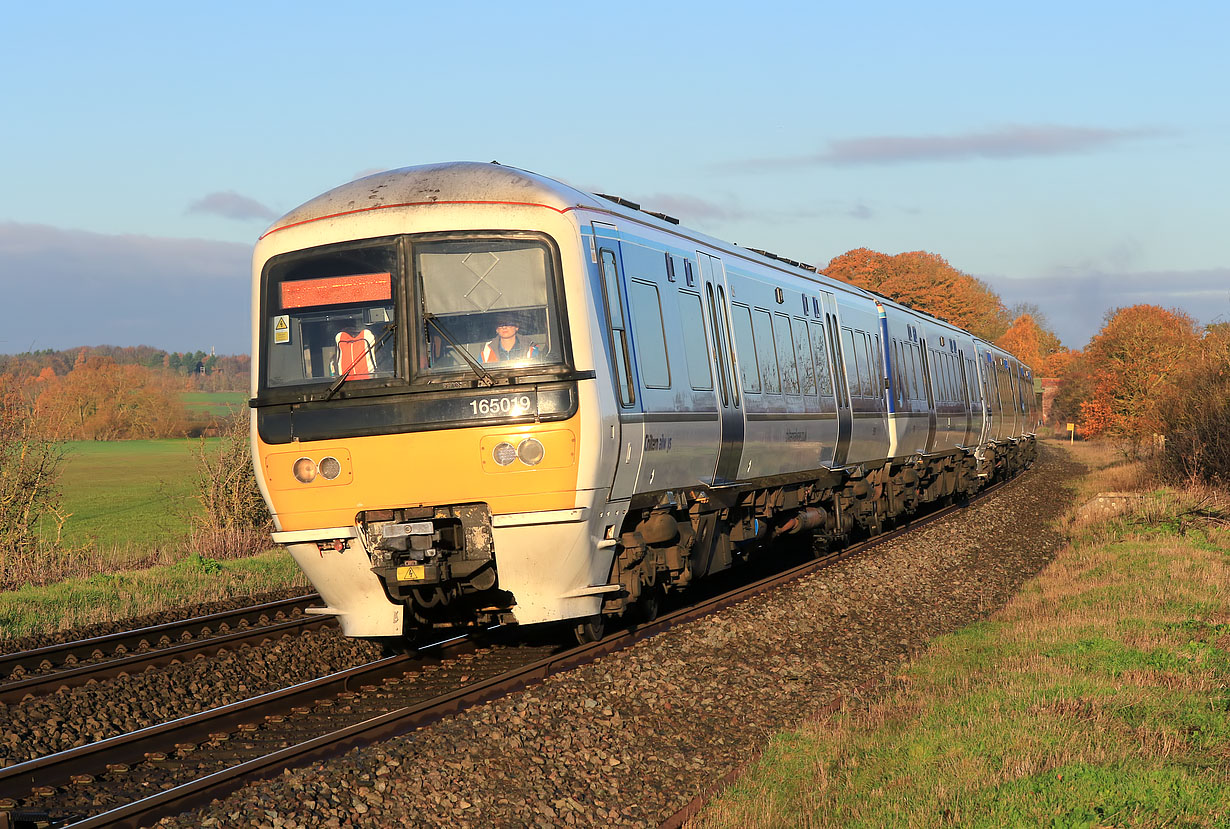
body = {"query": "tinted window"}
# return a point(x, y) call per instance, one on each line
point(330, 313)
point(785, 353)
point(695, 341)
point(765, 352)
point(649, 335)
point(802, 351)
point(745, 344)
point(856, 357)
point(824, 379)
point(492, 297)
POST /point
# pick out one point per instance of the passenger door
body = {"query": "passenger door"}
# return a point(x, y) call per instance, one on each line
point(841, 386)
point(730, 453)
point(629, 430)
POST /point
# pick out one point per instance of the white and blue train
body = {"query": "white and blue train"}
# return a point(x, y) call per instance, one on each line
point(482, 395)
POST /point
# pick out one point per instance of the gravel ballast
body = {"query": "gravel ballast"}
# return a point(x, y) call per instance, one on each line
point(635, 736)
point(93, 712)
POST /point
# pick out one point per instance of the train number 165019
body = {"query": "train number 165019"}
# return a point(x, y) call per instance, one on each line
point(494, 406)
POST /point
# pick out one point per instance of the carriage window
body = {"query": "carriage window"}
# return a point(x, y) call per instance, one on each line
point(802, 352)
point(745, 345)
point(875, 382)
point(856, 359)
point(824, 377)
point(785, 353)
point(650, 337)
point(899, 375)
point(766, 354)
point(331, 313)
point(917, 383)
point(695, 341)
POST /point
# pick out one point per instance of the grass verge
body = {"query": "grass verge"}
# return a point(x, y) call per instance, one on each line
point(110, 596)
point(135, 494)
point(1097, 698)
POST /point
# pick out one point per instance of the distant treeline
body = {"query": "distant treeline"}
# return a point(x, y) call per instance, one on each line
point(117, 393)
point(207, 371)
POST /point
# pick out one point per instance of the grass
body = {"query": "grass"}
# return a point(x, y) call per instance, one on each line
point(125, 551)
point(109, 596)
point(214, 403)
point(1097, 698)
point(129, 494)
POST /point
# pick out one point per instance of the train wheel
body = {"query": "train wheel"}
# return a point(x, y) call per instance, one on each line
point(590, 629)
point(648, 604)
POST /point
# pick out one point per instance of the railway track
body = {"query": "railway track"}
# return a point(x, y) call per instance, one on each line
point(45, 670)
point(134, 779)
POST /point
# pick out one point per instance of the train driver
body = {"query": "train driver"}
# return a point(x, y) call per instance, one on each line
point(508, 344)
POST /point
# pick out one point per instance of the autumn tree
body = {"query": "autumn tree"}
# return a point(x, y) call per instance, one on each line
point(1195, 412)
point(1031, 343)
point(100, 400)
point(1129, 367)
point(926, 282)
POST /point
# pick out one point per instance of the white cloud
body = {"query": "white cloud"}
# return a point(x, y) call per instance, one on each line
point(231, 205)
point(1008, 142)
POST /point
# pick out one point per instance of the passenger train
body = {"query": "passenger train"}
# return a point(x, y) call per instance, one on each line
point(484, 396)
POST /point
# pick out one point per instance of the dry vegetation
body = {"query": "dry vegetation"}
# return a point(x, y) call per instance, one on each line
point(1096, 698)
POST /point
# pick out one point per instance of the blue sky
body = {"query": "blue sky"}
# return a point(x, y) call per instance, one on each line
point(1073, 155)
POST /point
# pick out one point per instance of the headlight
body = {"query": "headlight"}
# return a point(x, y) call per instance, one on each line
point(305, 470)
point(531, 452)
point(330, 468)
point(504, 454)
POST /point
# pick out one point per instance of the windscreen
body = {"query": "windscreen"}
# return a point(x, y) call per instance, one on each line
point(332, 314)
point(491, 298)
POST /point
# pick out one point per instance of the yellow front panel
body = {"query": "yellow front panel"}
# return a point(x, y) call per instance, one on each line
point(451, 466)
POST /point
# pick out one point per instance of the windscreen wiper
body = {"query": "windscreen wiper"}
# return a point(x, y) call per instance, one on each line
point(484, 376)
point(337, 384)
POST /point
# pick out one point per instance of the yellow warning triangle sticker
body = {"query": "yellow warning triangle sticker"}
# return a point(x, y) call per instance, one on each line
point(281, 324)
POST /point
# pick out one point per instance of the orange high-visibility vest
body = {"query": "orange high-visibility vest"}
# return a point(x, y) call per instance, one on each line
point(354, 353)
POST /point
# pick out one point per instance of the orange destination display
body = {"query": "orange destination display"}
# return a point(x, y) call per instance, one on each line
point(337, 290)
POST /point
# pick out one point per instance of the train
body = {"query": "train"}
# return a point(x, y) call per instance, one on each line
point(482, 396)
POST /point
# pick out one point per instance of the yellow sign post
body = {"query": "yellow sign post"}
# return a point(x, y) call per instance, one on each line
point(1071, 433)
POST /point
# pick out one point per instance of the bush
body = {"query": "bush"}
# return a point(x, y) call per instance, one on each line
point(29, 495)
point(1196, 415)
point(234, 520)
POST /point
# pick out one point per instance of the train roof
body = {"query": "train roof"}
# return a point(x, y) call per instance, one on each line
point(460, 181)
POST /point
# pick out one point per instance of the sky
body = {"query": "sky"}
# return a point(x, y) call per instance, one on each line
point(1072, 155)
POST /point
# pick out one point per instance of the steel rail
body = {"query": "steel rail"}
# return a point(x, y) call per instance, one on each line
point(200, 791)
point(130, 639)
point(55, 770)
point(43, 684)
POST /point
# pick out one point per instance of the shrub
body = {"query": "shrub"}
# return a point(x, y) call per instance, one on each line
point(234, 520)
point(29, 472)
point(1196, 414)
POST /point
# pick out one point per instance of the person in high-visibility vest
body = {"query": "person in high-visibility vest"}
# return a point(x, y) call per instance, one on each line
point(508, 344)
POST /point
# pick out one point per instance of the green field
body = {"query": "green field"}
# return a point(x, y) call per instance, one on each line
point(129, 492)
point(214, 403)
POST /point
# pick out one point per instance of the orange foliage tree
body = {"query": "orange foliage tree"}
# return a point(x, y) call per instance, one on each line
point(926, 282)
point(100, 400)
point(1195, 412)
point(1033, 344)
point(1129, 368)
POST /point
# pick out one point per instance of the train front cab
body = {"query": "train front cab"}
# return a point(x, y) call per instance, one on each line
point(422, 488)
